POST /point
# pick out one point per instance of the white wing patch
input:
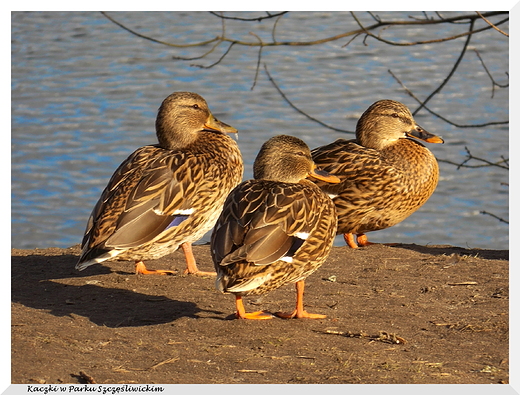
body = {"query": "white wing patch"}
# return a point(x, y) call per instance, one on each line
point(249, 285)
point(184, 212)
point(302, 235)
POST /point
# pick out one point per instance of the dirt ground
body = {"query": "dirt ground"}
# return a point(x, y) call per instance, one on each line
point(400, 314)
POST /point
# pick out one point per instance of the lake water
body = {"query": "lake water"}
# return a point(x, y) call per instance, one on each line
point(85, 94)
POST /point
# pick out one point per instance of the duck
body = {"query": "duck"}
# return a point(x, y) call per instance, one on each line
point(274, 229)
point(168, 194)
point(386, 173)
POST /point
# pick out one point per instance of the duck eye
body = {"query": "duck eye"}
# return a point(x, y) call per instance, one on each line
point(196, 106)
point(395, 115)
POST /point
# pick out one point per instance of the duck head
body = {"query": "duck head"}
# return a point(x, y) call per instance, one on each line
point(288, 159)
point(387, 121)
point(182, 116)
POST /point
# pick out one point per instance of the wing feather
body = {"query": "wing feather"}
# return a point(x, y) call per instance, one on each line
point(140, 200)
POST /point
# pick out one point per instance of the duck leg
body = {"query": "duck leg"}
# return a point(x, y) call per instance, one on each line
point(299, 312)
point(362, 240)
point(241, 312)
point(191, 264)
point(350, 240)
point(140, 268)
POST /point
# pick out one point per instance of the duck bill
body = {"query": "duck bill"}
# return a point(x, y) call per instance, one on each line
point(213, 124)
point(421, 134)
point(323, 176)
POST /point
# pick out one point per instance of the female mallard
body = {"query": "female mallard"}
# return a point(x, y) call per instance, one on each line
point(385, 176)
point(275, 229)
point(169, 194)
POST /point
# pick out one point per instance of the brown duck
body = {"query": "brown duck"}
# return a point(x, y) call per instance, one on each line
point(385, 174)
point(169, 194)
point(275, 229)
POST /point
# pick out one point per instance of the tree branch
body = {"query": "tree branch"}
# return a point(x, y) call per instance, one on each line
point(362, 30)
point(155, 40)
point(410, 93)
point(297, 109)
point(258, 19)
point(504, 163)
point(492, 25)
point(450, 73)
point(366, 30)
point(493, 82)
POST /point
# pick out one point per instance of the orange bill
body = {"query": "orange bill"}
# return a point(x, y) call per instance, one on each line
point(213, 123)
point(420, 133)
point(323, 175)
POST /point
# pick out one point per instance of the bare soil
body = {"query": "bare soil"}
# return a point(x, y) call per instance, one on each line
point(400, 314)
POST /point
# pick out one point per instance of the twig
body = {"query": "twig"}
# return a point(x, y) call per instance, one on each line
point(440, 116)
point(217, 62)
point(490, 24)
point(169, 360)
point(274, 28)
point(155, 40)
point(258, 19)
point(493, 82)
point(495, 216)
point(452, 71)
point(258, 61)
point(366, 30)
point(201, 56)
point(464, 283)
point(87, 378)
point(383, 336)
point(297, 109)
point(504, 163)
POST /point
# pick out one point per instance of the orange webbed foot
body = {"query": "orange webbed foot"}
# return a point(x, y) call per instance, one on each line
point(299, 311)
point(302, 314)
point(198, 272)
point(362, 240)
point(257, 315)
point(140, 268)
point(241, 312)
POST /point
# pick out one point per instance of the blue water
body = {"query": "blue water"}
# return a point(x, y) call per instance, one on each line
point(85, 94)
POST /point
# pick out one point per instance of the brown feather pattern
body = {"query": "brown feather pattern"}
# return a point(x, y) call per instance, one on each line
point(156, 184)
point(380, 186)
point(271, 233)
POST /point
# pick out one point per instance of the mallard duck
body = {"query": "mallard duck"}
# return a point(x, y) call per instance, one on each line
point(275, 229)
point(385, 174)
point(169, 194)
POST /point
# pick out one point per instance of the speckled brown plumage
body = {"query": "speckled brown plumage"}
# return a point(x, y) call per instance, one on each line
point(275, 229)
point(385, 175)
point(169, 194)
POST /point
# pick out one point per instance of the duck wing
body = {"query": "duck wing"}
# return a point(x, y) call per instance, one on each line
point(263, 222)
point(149, 192)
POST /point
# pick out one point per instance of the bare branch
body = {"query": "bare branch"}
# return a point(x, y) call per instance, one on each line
point(217, 62)
point(494, 216)
point(258, 19)
point(274, 27)
point(366, 30)
point(155, 40)
point(493, 82)
point(440, 116)
point(504, 163)
point(258, 61)
point(451, 72)
point(492, 25)
point(297, 109)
